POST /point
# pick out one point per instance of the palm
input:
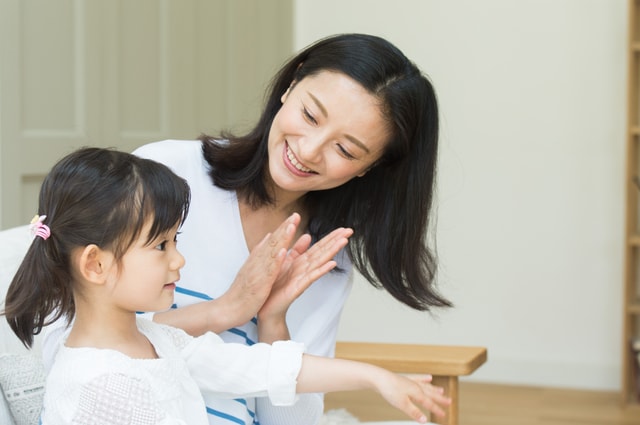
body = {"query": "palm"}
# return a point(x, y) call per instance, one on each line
point(302, 267)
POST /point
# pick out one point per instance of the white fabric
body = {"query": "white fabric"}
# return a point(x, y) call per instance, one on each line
point(22, 383)
point(344, 417)
point(5, 414)
point(104, 386)
point(212, 241)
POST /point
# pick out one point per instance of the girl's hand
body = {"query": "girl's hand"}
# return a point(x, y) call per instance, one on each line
point(302, 267)
point(413, 394)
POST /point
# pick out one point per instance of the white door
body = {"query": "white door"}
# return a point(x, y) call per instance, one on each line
point(121, 73)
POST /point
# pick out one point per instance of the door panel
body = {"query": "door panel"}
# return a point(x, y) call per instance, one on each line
point(121, 73)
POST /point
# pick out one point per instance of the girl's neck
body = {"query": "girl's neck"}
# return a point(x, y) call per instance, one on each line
point(114, 331)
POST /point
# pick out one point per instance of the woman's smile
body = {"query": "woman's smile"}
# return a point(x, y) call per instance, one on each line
point(293, 164)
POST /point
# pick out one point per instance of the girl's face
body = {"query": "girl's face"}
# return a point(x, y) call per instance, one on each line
point(328, 131)
point(146, 277)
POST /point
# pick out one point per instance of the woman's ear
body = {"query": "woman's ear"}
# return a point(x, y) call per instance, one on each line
point(94, 264)
point(286, 94)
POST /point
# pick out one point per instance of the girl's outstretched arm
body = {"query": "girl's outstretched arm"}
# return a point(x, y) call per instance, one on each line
point(411, 394)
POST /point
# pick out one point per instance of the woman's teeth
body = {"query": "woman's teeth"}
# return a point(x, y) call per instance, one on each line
point(295, 162)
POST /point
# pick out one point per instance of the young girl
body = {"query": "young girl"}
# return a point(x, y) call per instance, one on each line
point(104, 249)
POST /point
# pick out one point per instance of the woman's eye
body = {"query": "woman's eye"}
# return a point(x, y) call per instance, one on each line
point(344, 153)
point(308, 116)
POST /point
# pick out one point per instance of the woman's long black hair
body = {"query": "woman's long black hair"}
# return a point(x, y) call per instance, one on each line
point(91, 196)
point(390, 207)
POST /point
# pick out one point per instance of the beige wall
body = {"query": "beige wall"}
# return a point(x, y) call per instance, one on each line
point(530, 225)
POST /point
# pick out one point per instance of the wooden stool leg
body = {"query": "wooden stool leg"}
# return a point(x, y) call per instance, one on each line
point(450, 385)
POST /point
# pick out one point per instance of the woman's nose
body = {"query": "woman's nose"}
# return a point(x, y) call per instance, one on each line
point(310, 149)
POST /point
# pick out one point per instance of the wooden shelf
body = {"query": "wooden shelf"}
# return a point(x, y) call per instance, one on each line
point(631, 283)
point(416, 358)
point(633, 307)
point(444, 363)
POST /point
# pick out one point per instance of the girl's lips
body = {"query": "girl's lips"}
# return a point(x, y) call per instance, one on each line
point(288, 157)
point(171, 286)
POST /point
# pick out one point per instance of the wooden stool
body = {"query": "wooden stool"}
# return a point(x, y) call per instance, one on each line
point(445, 363)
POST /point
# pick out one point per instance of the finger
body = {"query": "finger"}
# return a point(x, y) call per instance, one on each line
point(285, 231)
point(340, 232)
point(319, 254)
point(273, 267)
point(301, 245)
point(433, 402)
point(330, 239)
point(414, 413)
point(421, 379)
point(314, 274)
point(280, 239)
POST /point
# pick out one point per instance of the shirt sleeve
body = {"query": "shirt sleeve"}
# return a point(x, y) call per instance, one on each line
point(230, 370)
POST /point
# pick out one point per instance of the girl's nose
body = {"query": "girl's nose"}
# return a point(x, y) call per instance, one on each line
point(178, 261)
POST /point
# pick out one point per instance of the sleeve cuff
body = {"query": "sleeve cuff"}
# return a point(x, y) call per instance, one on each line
point(284, 366)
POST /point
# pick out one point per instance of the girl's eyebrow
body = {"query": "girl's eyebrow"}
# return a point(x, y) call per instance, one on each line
point(324, 112)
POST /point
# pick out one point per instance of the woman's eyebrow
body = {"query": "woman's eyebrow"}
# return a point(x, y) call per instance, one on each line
point(319, 105)
point(357, 143)
point(325, 113)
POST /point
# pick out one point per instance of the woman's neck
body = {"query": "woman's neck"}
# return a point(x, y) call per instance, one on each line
point(257, 222)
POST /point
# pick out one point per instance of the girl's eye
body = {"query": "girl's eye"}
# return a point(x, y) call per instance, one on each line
point(308, 116)
point(161, 246)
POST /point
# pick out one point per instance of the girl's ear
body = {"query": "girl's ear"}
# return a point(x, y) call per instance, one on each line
point(94, 264)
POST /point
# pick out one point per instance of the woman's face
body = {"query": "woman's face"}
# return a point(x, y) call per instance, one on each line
point(328, 131)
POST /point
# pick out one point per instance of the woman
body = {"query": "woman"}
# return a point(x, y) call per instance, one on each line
point(347, 138)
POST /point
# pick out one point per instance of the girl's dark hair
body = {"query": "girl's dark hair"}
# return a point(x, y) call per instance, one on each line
point(389, 207)
point(91, 196)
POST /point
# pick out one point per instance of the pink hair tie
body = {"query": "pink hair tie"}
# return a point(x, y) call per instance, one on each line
point(38, 228)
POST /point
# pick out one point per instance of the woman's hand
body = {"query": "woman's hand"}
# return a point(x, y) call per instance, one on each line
point(247, 293)
point(255, 279)
point(302, 267)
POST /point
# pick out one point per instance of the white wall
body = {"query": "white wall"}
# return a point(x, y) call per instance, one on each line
point(530, 203)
